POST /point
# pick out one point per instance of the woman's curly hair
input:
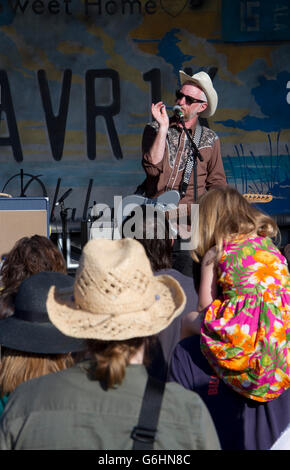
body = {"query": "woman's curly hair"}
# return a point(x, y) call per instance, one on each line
point(30, 255)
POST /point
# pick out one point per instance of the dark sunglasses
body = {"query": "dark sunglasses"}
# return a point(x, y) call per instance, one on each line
point(189, 99)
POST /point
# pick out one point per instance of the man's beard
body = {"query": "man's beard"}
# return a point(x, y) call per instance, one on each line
point(189, 116)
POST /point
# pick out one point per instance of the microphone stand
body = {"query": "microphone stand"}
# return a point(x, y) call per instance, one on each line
point(63, 216)
point(22, 194)
point(195, 153)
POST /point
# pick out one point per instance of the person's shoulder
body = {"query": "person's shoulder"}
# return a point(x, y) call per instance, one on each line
point(209, 139)
point(37, 382)
point(206, 131)
point(184, 409)
point(210, 256)
point(34, 392)
point(152, 125)
point(178, 397)
point(179, 276)
point(187, 349)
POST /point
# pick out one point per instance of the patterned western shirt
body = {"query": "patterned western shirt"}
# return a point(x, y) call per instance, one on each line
point(167, 174)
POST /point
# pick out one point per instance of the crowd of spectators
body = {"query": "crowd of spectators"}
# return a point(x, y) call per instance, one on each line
point(199, 340)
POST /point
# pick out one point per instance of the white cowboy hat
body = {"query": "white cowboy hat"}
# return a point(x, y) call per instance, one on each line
point(116, 295)
point(203, 81)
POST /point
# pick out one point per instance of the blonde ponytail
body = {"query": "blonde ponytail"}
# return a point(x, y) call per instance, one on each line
point(110, 359)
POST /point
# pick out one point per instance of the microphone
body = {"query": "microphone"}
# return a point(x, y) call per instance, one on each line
point(178, 112)
point(63, 197)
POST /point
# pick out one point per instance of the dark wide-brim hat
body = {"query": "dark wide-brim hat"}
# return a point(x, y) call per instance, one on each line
point(29, 328)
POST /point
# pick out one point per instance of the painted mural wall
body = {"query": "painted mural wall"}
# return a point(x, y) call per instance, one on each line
point(77, 79)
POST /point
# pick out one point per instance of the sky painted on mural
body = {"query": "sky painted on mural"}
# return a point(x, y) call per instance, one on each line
point(252, 95)
point(7, 14)
point(270, 97)
point(169, 50)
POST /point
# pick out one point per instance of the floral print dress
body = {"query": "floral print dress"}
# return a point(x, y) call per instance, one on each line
point(245, 334)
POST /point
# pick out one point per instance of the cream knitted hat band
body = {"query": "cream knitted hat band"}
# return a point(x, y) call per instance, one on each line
point(113, 307)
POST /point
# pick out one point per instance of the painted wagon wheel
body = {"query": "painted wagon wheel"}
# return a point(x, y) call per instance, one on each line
point(32, 178)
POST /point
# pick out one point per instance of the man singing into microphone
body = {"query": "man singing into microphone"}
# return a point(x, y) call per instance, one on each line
point(166, 147)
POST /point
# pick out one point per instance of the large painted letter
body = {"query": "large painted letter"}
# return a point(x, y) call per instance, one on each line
point(6, 105)
point(288, 94)
point(106, 111)
point(56, 124)
point(154, 77)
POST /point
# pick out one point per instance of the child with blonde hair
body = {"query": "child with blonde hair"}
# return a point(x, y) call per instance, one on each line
point(244, 296)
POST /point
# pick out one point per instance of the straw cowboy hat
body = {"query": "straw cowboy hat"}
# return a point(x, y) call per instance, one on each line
point(116, 295)
point(29, 329)
point(203, 81)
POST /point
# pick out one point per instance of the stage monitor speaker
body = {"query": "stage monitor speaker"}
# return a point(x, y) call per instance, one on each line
point(22, 217)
